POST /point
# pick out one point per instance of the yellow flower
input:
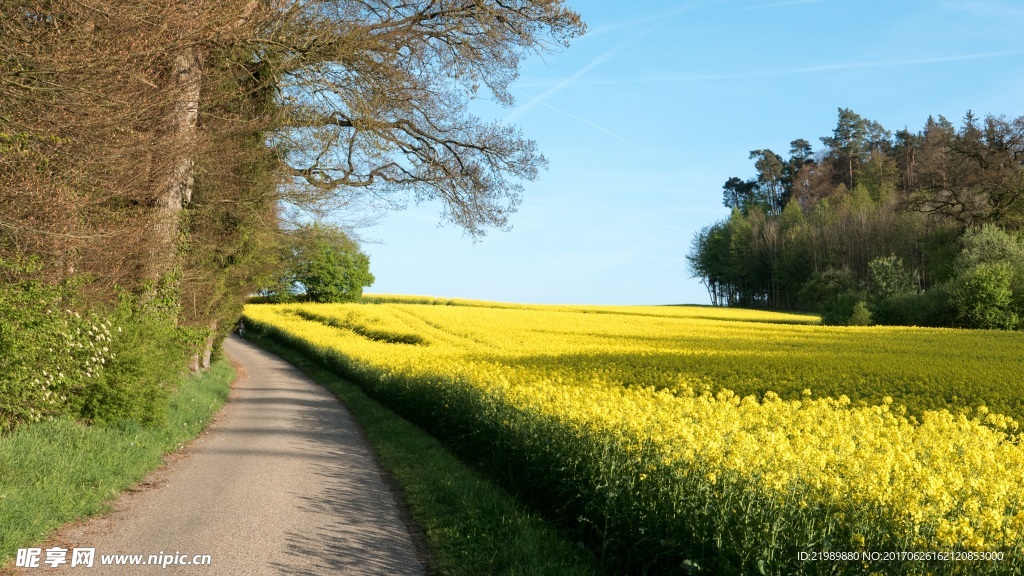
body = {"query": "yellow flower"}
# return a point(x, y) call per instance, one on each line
point(715, 405)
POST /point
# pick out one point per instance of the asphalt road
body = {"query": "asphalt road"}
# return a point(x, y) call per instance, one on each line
point(281, 483)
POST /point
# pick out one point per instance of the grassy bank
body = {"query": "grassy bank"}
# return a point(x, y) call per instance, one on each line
point(471, 526)
point(57, 471)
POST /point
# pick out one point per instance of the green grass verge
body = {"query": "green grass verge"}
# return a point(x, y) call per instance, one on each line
point(57, 471)
point(471, 525)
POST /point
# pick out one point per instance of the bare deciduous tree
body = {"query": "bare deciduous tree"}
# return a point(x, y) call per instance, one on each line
point(375, 99)
point(146, 141)
point(97, 120)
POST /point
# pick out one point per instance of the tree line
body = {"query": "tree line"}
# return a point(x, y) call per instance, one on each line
point(898, 228)
point(161, 160)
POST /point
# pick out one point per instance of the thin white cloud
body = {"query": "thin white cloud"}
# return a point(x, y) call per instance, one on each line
point(652, 19)
point(900, 63)
point(649, 224)
point(1001, 10)
point(566, 82)
point(585, 121)
point(592, 262)
point(783, 4)
point(679, 262)
point(692, 7)
point(647, 254)
point(655, 21)
point(818, 68)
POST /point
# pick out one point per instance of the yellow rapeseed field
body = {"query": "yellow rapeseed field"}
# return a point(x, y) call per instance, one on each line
point(683, 439)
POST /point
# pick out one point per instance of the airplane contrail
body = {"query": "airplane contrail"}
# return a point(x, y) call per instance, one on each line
point(604, 57)
point(865, 65)
point(585, 121)
point(565, 83)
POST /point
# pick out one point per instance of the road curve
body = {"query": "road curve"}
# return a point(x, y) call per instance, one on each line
point(281, 483)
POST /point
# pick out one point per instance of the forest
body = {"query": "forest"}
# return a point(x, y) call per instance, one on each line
point(876, 227)
point(159, 160)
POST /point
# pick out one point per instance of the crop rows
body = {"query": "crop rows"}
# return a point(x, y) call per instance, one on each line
point(677, 442)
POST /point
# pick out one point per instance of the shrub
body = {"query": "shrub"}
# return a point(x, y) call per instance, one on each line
point(989, 244)
point(40, 344)
point(929, 308)
point(832, 293)
point(889, 279)
point(860, 316)
point(58, 358)
point(150, 354)
point(983, 298)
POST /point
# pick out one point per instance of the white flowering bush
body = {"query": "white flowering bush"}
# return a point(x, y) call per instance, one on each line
point(56, 360)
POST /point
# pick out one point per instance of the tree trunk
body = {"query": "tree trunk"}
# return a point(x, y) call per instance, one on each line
point(193, 364)
point(211, 338)
point(188, 79)
point(177, 191)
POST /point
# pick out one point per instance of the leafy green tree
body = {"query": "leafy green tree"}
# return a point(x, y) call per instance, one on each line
point(879, 174)
point(793, 261)
point(705, 261)
point(328, 264)
point(851, 142)
point(742, 195)
point(848, 141)
point(989, 244)
point(914, 226)
point(889, 278)
point(989, 286)
point(770, 171)
point(860, 316)
point(890, 286)
point(833, 293)
point(983, 297)
point(800, 155)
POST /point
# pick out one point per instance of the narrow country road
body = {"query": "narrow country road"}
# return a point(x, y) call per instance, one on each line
point(281, 483)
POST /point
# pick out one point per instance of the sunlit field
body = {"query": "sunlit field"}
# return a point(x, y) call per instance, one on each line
point(701, 440)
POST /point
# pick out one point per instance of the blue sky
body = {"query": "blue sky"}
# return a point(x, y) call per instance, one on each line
point(645, 117)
